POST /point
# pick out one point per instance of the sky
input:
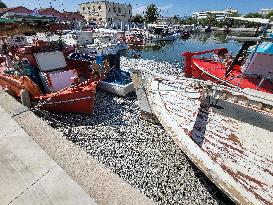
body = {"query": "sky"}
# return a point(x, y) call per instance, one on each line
point(167, 7)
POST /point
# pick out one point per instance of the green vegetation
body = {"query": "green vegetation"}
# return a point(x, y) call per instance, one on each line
point(175, 20)
point(138, 19)
point(254, 15)
point(189, 21)
point(151, 14)
point(209, 21)
point(2, 5)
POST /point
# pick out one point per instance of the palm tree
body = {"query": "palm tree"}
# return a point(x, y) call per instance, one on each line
point(2, 5)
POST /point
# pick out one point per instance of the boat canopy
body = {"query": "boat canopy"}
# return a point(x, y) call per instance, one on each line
point(254, 20)
point(8, 21)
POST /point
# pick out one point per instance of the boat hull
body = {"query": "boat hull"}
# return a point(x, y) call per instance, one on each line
point(215, 72)
point(77, 99)
point(234, 151)
point(80, 99)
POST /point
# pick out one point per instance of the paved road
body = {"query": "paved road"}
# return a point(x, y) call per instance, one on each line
point(28, 175)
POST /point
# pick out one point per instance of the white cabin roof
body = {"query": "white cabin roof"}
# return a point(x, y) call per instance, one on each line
point(253, 20)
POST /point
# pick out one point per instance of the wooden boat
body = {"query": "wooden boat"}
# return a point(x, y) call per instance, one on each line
point(63, 88)
point(226, 132)
point(249, 69)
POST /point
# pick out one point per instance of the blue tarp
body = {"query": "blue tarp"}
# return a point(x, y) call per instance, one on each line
point(266, 47)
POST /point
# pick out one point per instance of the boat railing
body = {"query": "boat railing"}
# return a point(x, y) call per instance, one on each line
point(188, 59)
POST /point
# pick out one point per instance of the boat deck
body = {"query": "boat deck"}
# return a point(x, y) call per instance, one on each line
point(215, 71)
point(232, 145)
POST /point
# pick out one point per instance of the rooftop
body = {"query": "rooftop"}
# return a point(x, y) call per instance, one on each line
point(103, 2)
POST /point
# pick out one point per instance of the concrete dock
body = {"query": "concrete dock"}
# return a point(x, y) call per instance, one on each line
point(39, 166)
point(28, 175)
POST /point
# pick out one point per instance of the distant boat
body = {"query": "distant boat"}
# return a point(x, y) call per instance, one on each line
point(227, 133)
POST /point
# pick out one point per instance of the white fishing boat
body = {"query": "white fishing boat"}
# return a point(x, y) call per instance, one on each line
point(226, 132)
point(90, 42)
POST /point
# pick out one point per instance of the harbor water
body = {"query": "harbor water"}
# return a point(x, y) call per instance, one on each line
point(171, 51)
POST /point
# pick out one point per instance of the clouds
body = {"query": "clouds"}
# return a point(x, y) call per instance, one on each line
point(162, 9)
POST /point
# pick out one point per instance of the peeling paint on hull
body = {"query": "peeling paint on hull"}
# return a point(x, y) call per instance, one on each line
point(235, 154)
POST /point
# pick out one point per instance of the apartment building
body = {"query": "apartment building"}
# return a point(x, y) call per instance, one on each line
point(220, 15)
point(107, 14)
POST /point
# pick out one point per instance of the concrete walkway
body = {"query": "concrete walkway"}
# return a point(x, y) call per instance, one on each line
point(28, 175)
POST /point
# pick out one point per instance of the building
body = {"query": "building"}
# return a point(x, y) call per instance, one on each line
point(15, 10)
point(23, 14)
point(42, 14)
point(164, 20)
point(107, 14)
point(51, 12)
point(63, 17)
point(73, 16)
point(220, 15)
point(265, 12)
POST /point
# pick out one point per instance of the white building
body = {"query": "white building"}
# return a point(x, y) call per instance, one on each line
point(220, 15)
point(265, 12)
point(107, 14)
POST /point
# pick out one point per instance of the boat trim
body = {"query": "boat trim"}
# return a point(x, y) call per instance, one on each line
point(67, 101)
point(213, 76)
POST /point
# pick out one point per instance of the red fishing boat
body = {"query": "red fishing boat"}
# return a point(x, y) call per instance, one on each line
point(249, 69)
point(63, 86)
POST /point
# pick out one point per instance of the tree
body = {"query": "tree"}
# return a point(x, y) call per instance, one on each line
point(2, 5)
point(210, 20)
point(175, 19)
point(151, 14)
point(137, 19)
point(190, 21)
point(253, 15)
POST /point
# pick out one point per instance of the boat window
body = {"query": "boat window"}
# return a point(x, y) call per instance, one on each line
point(119, 10)
point(99, 7)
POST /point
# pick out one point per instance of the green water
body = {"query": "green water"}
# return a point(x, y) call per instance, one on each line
point(171, 51)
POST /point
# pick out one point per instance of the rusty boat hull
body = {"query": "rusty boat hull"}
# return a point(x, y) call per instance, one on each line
point(228, 134)
point(79, 98)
